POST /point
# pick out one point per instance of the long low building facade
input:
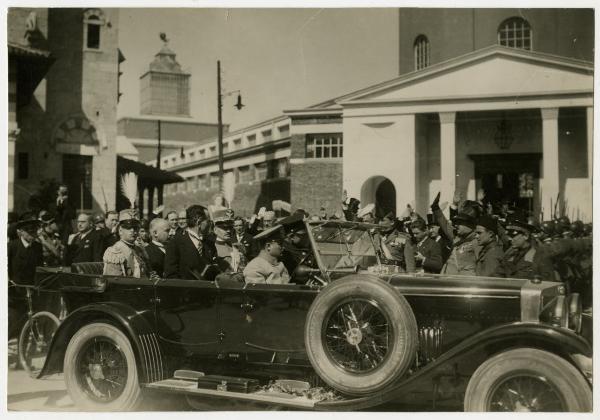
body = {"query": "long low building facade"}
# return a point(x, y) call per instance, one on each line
point(516, 124)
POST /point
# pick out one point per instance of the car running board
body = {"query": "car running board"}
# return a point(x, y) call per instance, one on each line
point(190, 387)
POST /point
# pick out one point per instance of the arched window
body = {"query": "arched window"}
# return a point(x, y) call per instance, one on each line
point(421, 48)
point(93, 20)
point(515, 32)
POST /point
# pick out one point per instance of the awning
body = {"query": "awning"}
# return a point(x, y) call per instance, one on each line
point(147, 175)
point(23, 50)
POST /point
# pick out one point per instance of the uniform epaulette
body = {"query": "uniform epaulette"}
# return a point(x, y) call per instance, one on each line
point(116, 254)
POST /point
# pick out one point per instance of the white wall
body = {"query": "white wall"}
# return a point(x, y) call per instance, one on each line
point(381, 146)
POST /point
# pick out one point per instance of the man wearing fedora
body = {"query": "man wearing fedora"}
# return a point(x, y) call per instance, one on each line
point(192, 254)
point(523, 259)
point(50, 240)
point(125, 258)
point(490, 253)
point(25, 253)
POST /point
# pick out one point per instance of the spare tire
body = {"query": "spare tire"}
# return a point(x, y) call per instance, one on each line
point(360, 335)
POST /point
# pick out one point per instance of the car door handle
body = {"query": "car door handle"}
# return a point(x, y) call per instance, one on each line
point(247, 306)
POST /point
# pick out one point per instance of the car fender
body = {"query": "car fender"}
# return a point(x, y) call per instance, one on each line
point(149, 357)
point(483, 345)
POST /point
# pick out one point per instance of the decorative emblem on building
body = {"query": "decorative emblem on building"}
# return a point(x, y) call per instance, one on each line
point(76, 130)
point(503, 136)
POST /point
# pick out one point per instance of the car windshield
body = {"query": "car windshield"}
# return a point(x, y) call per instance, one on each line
point(344, 245)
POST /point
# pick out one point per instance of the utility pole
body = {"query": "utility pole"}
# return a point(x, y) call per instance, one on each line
point(158, 157)
point(220, 123)
point(238, 106)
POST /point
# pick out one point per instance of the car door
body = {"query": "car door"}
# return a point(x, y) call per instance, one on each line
point(274, 317)
point(186, 315)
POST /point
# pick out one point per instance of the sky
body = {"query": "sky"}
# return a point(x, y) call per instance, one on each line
point(279, 58)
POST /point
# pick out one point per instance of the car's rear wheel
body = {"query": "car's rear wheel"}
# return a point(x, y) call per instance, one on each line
point(100, 370)
point(360, 335)
point(528, 379)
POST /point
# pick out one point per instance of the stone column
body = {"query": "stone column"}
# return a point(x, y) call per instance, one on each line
point(447, 155)
point(141, 190)
point(550, 182)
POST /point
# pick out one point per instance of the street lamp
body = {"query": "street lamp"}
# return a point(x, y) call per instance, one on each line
point(238, 105)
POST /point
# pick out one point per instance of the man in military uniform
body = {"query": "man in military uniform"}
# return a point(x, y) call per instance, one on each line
point(266, 267)
point(50, 239)
point(295, 246)
point(490, 253)
point(463, 258)
point(125, 258)
point(523, 259)
point(230, 258)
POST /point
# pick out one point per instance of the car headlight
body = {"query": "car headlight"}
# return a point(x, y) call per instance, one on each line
point(559, 316)
point(575, 310)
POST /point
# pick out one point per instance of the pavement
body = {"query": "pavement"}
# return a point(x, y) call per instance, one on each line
point(50, 394)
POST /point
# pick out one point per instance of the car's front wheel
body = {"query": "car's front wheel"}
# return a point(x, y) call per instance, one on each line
point(528, 379)
point(100, 370)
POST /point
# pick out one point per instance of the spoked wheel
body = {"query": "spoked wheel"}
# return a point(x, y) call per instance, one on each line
point(100, 369)
point(360, 335)
point(34, 341)
point(357, 335)
point(528, 380)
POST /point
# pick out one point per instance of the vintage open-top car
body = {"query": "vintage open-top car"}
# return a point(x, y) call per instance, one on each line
point(368, 334)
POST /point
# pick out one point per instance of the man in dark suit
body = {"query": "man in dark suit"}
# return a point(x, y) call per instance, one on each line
point(86, 245)
point(192, 254)
point(159, 234)
point(428, 252)
point(25, 253)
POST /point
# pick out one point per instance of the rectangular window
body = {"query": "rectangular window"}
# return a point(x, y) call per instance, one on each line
point(225, 148)
point(214, 180)
point(202, 154)
point(284, 131)
point(251, 140)
point(212, 151)
point(245, 174)
point(192, 156)
point(93, 36)
point(237, 144)
point(267, 135)
point(166, 162)
point(202, 182)
point(261, 171)
point(324, 146)
point(23, 165)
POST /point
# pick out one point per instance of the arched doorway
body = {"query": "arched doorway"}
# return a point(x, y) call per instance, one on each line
point(380, 191)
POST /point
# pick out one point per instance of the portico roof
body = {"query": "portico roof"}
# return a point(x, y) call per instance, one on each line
point(494, 73)
point(491, 73)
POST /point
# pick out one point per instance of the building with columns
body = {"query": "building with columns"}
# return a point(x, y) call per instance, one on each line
point(504, 104)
